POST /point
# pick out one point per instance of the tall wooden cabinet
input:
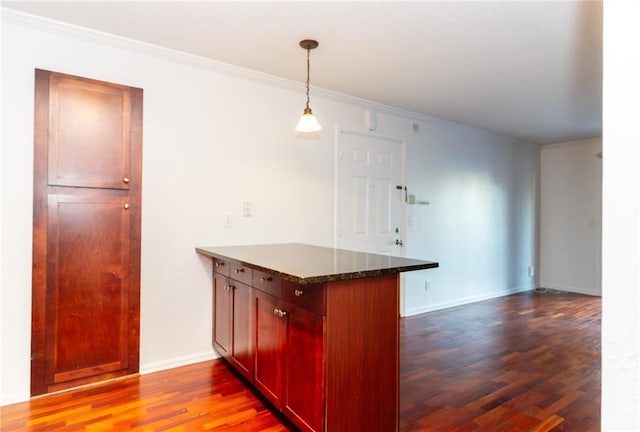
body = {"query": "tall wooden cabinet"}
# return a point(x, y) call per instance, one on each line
point(86, 234)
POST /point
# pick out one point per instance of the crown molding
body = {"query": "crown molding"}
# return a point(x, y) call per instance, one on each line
point(9, 16)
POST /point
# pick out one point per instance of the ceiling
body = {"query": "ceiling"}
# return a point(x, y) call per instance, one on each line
point(530, 70)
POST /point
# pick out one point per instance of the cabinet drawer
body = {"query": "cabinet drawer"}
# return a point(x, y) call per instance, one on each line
point(310, 297)
point(267, 283)
point(220, 266)
point(240, 273)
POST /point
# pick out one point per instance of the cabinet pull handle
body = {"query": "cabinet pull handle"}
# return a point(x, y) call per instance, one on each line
point(266, 279)
point(125, 180)
point(298, 292)
point(239, 270)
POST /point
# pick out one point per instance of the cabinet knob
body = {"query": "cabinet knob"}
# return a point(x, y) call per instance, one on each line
point(298, 292)
point(126, 206)
point(125, 180)
point(239, 270)
point(264, 279)
point(219, 263)
point(279, 313)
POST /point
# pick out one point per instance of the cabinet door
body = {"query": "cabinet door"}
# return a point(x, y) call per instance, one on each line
point(222, 314)
point(87, 285)
point(304, 368)
point(270, 336)
point(89, 133)
point(242, 347)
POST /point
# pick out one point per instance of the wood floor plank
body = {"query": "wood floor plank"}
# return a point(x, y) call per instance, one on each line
point(526, 362)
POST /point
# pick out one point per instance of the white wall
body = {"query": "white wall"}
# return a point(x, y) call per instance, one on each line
point(570, 216)
point(215, 136)
point(480, 223)
point(621, 219)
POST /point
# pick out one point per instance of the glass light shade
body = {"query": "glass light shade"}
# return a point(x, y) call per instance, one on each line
point(308, 123)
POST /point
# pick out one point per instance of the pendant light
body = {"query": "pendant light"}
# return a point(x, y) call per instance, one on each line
point(308, 122)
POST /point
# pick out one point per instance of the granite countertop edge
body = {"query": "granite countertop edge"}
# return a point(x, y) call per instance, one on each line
point(318, 279)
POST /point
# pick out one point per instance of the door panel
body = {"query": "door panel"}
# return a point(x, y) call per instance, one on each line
point(370, 193)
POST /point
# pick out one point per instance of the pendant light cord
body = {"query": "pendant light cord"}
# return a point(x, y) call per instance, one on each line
point(308, 67)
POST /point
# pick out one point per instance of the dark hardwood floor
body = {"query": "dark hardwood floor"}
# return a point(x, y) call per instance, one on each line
point(527, 362)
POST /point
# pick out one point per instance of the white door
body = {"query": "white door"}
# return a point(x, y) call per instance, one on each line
point(370, 194)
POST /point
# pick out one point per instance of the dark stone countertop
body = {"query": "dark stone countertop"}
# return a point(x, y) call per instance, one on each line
point(306, 264)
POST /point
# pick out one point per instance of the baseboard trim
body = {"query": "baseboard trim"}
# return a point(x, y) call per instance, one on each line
point(177, 362)
point(571, 289)
point(465, 300)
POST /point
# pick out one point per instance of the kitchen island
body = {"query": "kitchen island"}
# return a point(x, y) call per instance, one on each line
point(314, 329)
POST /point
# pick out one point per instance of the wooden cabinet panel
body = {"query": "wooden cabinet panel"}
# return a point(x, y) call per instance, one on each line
point(222, 314)
point(233, 316)
point(270, 339)
point(87, 314)
point(267, 283)
point(240, 273)
point(89, 133)
point(220, 266)
point(242, 344)
point(362, 354)
point(304, 368)
point(289, 364)
point(310, 297)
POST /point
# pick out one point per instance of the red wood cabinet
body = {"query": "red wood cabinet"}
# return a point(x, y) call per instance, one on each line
point(325, 355)
point(222, 314)
point(270, 347)
point(232, 311)
point(303, 388)
point(289, 359)
point(86, 231)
